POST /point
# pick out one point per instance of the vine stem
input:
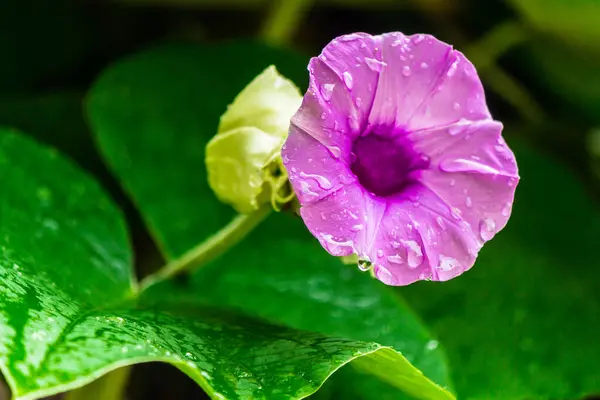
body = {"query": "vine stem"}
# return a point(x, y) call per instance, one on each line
point(213, 247)
point(283, 20)
point(111, 386)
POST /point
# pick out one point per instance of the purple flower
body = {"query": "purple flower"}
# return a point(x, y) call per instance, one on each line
point(394, 156)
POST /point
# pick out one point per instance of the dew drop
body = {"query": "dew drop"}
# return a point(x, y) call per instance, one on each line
point(448, 263)
point(358, 101)
point(353, 122)
point(348, 80)
point(506, 210)
point(418, 38)
point(323, 182)
point(380, 253)
point(406, 70)
point(395, 259)
point(336, 151)
point(453, 68)
point(386, 276)
point(440, 222)
point(357, 228)
point(414, 253)
point(432, 345)
point(468, 202)
point(487, 228)
point(205, 375)
point(452, 182)
point(323, 216)
point(327, 91)
point(364, 264)
point(375, 65)
point(455, 212)
point(424, 65)
point(456, 106)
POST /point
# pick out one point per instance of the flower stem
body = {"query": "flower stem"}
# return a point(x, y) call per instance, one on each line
point(213, 247)
point(283, 20)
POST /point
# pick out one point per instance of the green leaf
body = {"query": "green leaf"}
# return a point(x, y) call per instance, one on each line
point(153, 117)
point(575, 22)
point(68, 311)
point(55, 119)
point(570, 75)
point(310, 291)
point(523, 323)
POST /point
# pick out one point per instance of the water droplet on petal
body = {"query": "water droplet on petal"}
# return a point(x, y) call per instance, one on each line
point(406, 70)
point(336, 151)
point(453, 67)
point(414, 253)
point(452, 182)
point(358, 102)
point(323, 216)
point(424, 65)
point(323, 182)
point(468, 202)
point(440, 222)
point(506, 210)
point(456, 106)
point(487, 228)
point(380, 253)
point(447, 263)
point(418, 38)
point(455, 212)
point(327, 91)
point(395, 259)
point(375, 65)
point(348, 79)
point(357, 228)
point(353, 122)
point(386, 276)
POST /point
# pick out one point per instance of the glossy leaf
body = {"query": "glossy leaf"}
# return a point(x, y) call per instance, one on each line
point(570, 75)
point(575, 22)
point(523, 324)
point(153, 115)
point(153, 128)
point(68, 311)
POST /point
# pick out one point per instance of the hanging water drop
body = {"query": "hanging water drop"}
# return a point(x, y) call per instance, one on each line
point(348, 80)
point(487, 228)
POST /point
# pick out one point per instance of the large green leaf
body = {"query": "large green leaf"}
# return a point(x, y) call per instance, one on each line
point(575, 22)
point(55, 119)
point(69, 311)
point(523, 324)
point(153, 117)
point(570, 75)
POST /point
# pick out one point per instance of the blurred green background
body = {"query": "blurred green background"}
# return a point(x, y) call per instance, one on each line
point(539, 61)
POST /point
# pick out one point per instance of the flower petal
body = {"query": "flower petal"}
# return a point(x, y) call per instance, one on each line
point(425, 84)
point(341, 221)
point(419, 238)
point(341, 91)
point(312, 169)
point(472, 170)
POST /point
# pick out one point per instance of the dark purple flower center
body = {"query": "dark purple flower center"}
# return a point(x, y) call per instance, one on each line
point(382, 164)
